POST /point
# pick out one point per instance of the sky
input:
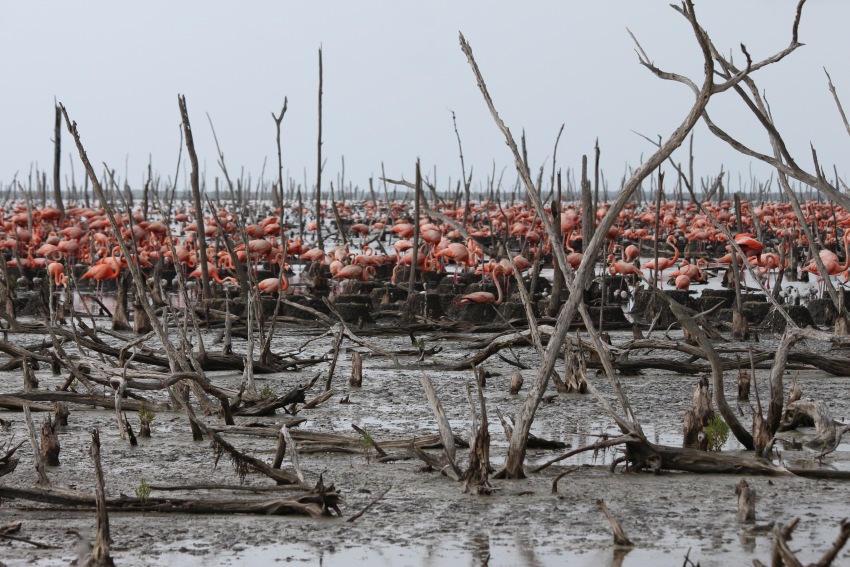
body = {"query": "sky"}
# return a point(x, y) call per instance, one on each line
point(393, 74)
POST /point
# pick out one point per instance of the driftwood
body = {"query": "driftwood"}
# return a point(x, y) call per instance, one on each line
point(268, 407)
point(533, 442)
point(316, 504)
point(316, 441)
point(575, 368)
point(209, 361)
point(367, 438)
point(369, 505)
point(321, 398)
point(521, 338)
point(825, 438)
point(569, 470)
point(783, 555)
point(625, 360)
point(242, 462)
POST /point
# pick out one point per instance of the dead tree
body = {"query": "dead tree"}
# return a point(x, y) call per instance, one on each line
point(319, 165)
point(196, 196)
point(703, 93)
point(57, 160)
point(781, 159)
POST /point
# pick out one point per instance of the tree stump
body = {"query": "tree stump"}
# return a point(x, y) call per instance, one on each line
point(740, 326)
point(574, 370)
point(743, 387)
point(356, 379)
point(30, 379)
point(516, 383)
point(746, 502)
point(480, 376)
point(120, 318)
point(62, 413)
point(49, 443)
point(141, 322)
point(697, 418)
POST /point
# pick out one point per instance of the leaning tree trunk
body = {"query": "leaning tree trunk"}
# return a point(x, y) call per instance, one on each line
point(516, 452)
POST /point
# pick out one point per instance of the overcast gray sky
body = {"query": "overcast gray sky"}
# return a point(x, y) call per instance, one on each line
point(392, 73)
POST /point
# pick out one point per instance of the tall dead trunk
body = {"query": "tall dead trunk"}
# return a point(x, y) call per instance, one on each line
point(196, 197)
point(319, 240)
point(414, 257)
point(57, 160)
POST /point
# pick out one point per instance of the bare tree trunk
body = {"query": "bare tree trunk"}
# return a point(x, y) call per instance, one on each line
point(57, 160)
point(588, 219)
point(414, 257)
point(196, 195)
point(277, 121)
point(319, 241)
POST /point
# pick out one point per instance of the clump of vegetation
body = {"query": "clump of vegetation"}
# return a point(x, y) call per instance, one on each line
point(145, 414)
point(367, 443)
point(143, 491)
point(145, 418)
point(717, 432)
point(266, 392)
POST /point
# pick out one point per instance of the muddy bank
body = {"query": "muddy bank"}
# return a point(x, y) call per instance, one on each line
point(424, 519)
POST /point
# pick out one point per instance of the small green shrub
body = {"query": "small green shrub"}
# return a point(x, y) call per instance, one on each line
point(717, 432)
point(367, 444)
point(145, 415)
point(266, 392)
point(143, 491)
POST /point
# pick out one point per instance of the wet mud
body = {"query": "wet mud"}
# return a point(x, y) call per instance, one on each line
point(425, 519)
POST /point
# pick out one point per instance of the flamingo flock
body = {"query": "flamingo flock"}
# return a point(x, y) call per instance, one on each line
point(380, 245)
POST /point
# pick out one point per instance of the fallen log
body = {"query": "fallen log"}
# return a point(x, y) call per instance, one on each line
point(20, 400)
point(208, 361)
point(309, 505)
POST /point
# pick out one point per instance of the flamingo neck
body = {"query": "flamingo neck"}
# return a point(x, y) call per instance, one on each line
point(567, 237)
point(498, 289)
point(675, 252)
